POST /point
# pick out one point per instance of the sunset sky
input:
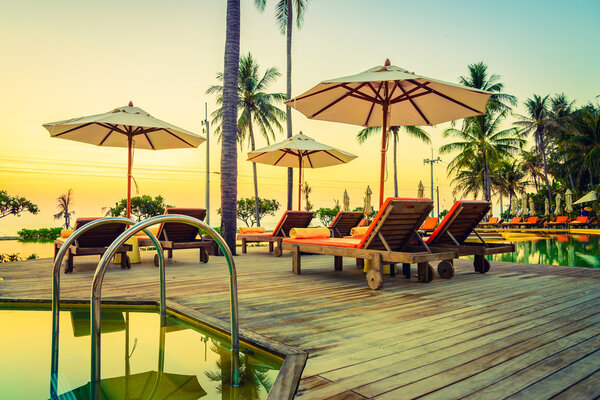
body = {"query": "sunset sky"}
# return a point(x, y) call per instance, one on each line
point(65, 59)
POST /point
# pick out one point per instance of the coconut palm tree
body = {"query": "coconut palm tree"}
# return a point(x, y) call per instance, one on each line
point(229, 126)
point(395, 131)
point(537, 122)
point(256, 107)
point(64, 207)
point(586, 139)
point(468, 178)
point(481, 136)
point(510, 174)
point(532, 164)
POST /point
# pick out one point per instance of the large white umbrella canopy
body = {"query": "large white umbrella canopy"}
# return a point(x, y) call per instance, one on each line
point(388, 95)
point(126, 126)
point(591, 196)
point(568, 201)
point(300, 151)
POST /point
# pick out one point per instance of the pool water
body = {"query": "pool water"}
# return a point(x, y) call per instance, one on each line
point(565, 250)
point(195, 359)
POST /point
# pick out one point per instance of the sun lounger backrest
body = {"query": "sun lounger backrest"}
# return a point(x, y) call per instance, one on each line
point(344, 222)
point(460, 221)
point(100, 236)
point(397, 221)
point(430, 223)
point(582, 219)
point(562, 219)
point(178, 232)
point(532, 220)
point(493, 220)
point(292, 219)
point(515, 220)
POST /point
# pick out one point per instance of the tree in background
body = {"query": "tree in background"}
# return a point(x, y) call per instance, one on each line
point(306, 190)
point(256, 107)
point(142, 207)
point(413, 131)
point(14, 205)
point(246, 211)
point(64, 208)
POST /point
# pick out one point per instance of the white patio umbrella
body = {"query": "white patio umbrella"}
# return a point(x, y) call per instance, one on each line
point(387, 95)
point(126, 126)
point(591, 196)
point(513, 206)
point(300, 151)
point(524, 206)
point(368, 208)
point(346, 201)
point(531, 206)
point(420, 190)
point(546, 207)
point(557, 209)
point(568, 201)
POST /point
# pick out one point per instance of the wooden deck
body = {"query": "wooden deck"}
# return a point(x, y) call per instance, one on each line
point(519, 331)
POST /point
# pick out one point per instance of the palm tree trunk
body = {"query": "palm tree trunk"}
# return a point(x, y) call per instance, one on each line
point(509, 204)
point(256, 210)
point(486, 178)
point(395, 166)
point(288, 109)
point(591, 178)
point(229, 135)
point(543, 150)
point(501, 204)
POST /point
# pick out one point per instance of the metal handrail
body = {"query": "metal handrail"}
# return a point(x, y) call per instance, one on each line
point(56, 286)
point(96, 294)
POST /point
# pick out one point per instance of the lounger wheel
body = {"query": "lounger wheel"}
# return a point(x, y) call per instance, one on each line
point(445, 269)
point(203, 256)
point(425, 272)
point(126, 264)
point(374, 279)
point(481, 264)
point(277, 251)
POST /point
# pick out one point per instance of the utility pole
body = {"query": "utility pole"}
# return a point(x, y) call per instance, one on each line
point(431, 161)
point(437, 189)
point(207, 130)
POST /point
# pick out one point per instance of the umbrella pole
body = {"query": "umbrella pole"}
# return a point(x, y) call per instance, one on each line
point(129, 161)
point(300, 182)
point(383, 149)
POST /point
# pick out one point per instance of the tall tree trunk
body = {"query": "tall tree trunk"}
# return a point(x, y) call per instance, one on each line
point(256, 210)
point(571, 181)
point(537, 188)
point(395, 137)
point(509, 214)
point(543, 151)
point(486, 178)
point(591, 178)
point(501, 203)
point(229, 127)
point(288, 109)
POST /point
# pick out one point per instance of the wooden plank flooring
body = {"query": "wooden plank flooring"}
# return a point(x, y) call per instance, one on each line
point(519, 331)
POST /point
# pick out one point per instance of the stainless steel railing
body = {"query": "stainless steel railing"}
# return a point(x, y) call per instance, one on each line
point(56, 287)
point(95, 300)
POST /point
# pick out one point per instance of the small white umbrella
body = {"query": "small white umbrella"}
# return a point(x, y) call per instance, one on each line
point(557, 209)
point(300, 151)
point(524, 206)
point(129, 127)
point(546, 207)
point(591, 196)
point(368, 207)
point(568, 201)
point(346, 201)
point(531, 206)
point(420, 190)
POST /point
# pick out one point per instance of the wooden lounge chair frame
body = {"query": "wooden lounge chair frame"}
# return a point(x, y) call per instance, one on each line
point(527, 223)
point(577, 223)
point(498, 222)
point(94, 242)
point(563, 223)
point(387, 240)
point(176, 236)
point(289, 220)
point(344, 222)
point(458, 225)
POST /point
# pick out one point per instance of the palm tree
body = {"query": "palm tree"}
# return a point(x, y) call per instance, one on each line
point(559, 117)
point(532, 164)
point(256, 107)
point(469, 178)
point(413, 131)
point(229, 127)
point(586, 139)
point(481, 137)
point(64, 205)
point(509, 179)
point(537, 122)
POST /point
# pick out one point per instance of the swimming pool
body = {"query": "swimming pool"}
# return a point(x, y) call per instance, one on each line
point(565, 250)
point(196, 358)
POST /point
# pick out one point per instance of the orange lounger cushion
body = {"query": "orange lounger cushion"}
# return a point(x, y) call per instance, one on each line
point(265, 234)
point(430, 223)
point(336, 242)
point(252, 229)
point(65, 233)
point(309, 233)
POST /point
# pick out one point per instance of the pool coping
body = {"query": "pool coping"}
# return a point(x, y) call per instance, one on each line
point(288, 378)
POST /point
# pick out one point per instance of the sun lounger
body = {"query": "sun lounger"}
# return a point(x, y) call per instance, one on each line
point(176, 236)
point(458, 225)
point(388, 239)
point(344, 222)
point(579, 222)
point(491, 223)
point(531, 222)
point(560, 222)
point(429, 225)
point(289, 220)
point(94, 242)
point(514, 222)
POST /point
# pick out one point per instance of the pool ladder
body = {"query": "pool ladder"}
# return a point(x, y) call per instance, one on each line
point(95, 299)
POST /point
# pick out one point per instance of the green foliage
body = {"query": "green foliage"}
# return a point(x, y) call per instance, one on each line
point(326, 215)
point(14, 205)
point(6, 257)
point(39, 235)
point(371, 215)
point(246, 210)
point(142, 207)
point(443, 214)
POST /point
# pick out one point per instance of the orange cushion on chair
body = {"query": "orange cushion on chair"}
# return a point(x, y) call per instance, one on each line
point(336, 242)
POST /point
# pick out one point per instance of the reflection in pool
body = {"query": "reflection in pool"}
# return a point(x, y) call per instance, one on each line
point(195, 360)
point(565, 250)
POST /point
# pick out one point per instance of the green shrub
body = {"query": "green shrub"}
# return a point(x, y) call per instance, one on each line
point(39, 235)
